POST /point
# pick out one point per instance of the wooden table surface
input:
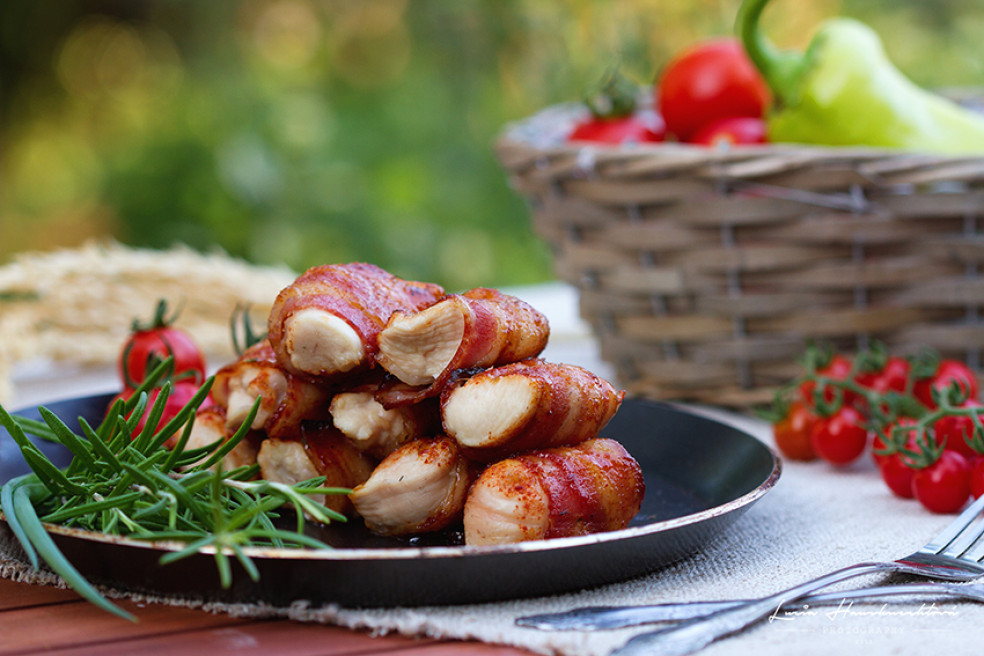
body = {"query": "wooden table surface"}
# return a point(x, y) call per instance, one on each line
point(38, 619)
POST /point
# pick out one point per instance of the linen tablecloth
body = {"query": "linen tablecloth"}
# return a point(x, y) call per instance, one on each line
point(816, 519)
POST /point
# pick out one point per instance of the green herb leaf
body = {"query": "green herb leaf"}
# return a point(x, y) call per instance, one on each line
point(125, 482)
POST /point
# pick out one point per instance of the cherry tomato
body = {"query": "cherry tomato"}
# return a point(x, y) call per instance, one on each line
point(708, 81)
point(977, 478)
point(839, 368)
point(953, 430)
point(877, 447)
point(150, 344)
point(886, 437)
point(841, 438)
point(730, 131)
point(636, 128)
point(792, 433)
point(944, 486)
point(181, 393)
point(949, 371)
point(897, 475)
point(894, 470)
point(893, 377)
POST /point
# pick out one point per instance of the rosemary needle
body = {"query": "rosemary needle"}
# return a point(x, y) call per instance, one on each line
point(123, 482)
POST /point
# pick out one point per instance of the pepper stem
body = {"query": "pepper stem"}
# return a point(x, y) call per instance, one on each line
point(780, 68)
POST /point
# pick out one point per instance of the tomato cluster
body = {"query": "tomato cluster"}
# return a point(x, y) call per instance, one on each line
point(150, 345)
point(708, 94)
point(920, 417)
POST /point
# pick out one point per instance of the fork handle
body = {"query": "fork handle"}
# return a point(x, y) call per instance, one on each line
point(695, 634)
point(593, 618)
point(600, 618)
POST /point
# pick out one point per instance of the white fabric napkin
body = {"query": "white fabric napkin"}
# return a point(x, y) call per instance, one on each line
point(815, 520)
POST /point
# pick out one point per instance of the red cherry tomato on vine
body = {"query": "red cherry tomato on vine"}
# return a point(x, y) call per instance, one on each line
point(949, 371)
point(897, 475)
point(944, 486)
point(150, 344)
point(792, 432)
point(708, 81)
point(877, 445)
point(841, 438)
point(635, 128)
point(894, 470)
point(731, 131)
point(952, 431)
point(893, 377)
point(977, 478)
point(839, 368)
point(887, 436)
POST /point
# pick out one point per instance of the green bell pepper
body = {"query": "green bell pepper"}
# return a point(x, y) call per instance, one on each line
point(844, 91)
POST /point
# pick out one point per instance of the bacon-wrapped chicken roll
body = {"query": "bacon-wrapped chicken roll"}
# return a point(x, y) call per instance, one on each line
point(526, 405)
point(592, 487)
point(327, 322)
point(418, 488)
point(378, 430)
point(321, 451)
point(285, 399)
point(480, 328)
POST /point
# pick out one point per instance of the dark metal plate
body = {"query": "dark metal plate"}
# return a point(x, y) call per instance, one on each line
point(700, 476)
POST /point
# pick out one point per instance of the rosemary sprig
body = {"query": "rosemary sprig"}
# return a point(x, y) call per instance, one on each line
point(125, 483)
point(240, 322)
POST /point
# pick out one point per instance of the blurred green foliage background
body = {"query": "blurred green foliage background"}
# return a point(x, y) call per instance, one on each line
point(311, 131)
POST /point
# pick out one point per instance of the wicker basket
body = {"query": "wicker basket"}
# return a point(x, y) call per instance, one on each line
point(705, 272)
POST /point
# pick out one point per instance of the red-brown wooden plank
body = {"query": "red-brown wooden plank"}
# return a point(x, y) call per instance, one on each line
point(41, 619)
point(286, 638)
point(464, 648)
point(37, 628)
point(280, 637)
point(22, 595)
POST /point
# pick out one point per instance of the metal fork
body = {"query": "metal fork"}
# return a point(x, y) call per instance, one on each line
point(955, 554)
point(602, 618)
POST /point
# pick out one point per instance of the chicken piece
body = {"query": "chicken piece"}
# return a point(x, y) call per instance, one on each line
point(526, 405)
point(210, 426)
point(327, 322)
point(418, 488)
point(321, 451)
point(285, 399)
point(481, 328)
point(592, 487)
point(378, 430)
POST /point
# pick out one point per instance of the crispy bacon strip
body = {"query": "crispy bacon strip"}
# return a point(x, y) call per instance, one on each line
point(321, 451)
point(592, 487)
point(285, 400)
point(418, 488)
point(327, 322)
point(527, 405)
point(481, 328)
